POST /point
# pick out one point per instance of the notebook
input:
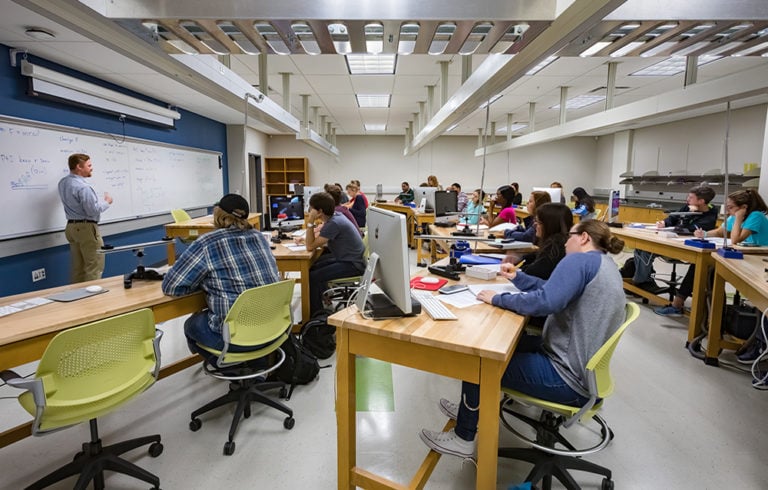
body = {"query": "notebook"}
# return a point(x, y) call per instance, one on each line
point(74, 295)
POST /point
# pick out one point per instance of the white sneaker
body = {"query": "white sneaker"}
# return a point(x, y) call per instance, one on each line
point(448, 443)
point(449, 409)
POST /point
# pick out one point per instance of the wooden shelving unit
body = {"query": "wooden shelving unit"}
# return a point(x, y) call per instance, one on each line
point(280, 172)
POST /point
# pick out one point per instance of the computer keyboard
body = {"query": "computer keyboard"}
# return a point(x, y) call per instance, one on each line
point(435, 308)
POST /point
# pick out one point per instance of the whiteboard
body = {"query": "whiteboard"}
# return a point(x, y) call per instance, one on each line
point(143, 177)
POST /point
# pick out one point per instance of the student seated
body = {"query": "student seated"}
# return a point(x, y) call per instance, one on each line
point(432, 182)
point(461, 197)
point(345, 248)
point(698, 200)
point(558, 185)
point(335, 192)
point(518, 199)
point(405, 197)
point(356, 204)
point(506, 214)
point(475, 209)
point(527, 231)
point(584, 303)
point(746, 224)
point(223, 263)
point(584, 205)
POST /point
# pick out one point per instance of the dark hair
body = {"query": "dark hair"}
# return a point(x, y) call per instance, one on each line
point(556, 185)
point(334, 191)
point(601, 236)
point(540, 198)
point(456, 185)
point(76, 159)
point(406, 183)
point(555, 220)
point(751, 198)
point(481, 194)
point(583, 198)
point(508, 193)
point(703, 192)
point(322, 201)
point(516, 186)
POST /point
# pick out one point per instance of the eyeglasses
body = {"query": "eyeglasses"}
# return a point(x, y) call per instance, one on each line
point(575, 232)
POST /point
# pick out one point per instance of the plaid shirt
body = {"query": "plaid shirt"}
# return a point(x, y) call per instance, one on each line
point(461, 201)
point(223, 263)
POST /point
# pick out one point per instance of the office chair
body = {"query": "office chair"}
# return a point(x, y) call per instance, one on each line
point(549, 460)
point(179, 215)
point(259, 317)
point(672, 282)
point(340, 290)
point(87, 372)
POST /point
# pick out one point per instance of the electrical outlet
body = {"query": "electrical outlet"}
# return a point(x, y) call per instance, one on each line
point(38, 275)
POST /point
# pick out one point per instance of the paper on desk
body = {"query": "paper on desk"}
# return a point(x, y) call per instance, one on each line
point(503, 227)
point(497, 288)
point(459, 300)
point(296, 248)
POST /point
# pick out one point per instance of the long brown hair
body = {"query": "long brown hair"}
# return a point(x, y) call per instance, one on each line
point(601, 236)
point(223, 219)
point(751, 198)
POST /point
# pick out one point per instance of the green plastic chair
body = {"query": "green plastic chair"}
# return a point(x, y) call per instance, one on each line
point(87, 372)
point(259, 317)
point(179, 215)
point(547, 457)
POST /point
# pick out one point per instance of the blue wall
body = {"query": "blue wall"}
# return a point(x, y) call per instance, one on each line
point(191, 130)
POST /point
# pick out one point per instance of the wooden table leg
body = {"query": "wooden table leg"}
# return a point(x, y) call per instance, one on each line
point(698, 295)
point(171, 247)
point(488, 425)
point(346, 411)
point(715, 320)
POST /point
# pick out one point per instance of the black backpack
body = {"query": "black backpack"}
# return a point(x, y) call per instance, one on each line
point(319, 337)
point(300, 366)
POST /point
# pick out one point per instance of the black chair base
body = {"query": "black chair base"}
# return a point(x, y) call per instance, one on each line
point(244, 393)
point(548, 465)
point(93, 460)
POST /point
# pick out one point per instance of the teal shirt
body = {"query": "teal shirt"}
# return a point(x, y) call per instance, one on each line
point(472, 213)
point(757, 223)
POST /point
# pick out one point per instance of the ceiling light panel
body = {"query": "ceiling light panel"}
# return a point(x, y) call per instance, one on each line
point(373, 100)
point(671, 66)
point(375, 127)
point(371, 64)
point(580, 101)
point(541, 65)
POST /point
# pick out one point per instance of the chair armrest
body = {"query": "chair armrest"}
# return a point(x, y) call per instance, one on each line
point(11, 378)
point(7, 376)
point(156, 344)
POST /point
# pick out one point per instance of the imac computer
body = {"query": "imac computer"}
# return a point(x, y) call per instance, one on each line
point(446, 202)
point(308, 191)
point(387, 267)
point(554, 192)
point(613, 207)
point(427, 193)
point(286, 210)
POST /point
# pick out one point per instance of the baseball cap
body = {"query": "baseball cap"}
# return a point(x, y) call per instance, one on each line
point(234, 204)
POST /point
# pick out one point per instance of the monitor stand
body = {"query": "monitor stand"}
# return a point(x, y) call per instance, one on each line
point(378, 306)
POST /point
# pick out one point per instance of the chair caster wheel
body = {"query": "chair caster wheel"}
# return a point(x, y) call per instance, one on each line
point(229, 448)
point(155, 449)
point(607, 484)
point(289, 422)
point(283, 393)
point(195, 424)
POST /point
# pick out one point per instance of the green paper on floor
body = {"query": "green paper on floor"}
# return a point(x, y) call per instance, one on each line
point(374, 386)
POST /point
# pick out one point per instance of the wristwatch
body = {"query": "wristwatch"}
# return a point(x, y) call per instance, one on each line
point(310, 225)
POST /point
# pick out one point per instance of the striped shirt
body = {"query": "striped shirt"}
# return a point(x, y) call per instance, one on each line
point(223, 263)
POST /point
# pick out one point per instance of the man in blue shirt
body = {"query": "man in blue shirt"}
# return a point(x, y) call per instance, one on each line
point(223, 263)
point(83, 209)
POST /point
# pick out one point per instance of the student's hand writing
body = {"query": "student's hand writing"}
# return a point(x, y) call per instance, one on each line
point(508, 270)
point(660, 224)
point(698, 233)
point(298, 240)
point(486, 296)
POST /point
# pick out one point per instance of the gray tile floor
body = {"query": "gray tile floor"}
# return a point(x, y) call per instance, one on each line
point(679, 425)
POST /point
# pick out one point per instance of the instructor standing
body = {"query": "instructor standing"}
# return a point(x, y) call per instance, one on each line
point(83, 209)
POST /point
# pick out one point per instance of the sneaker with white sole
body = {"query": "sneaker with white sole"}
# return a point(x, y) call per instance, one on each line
point(669, 310)
point(449, 409)
point(448, 443)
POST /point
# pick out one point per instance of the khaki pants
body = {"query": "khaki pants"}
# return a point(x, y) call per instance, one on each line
point(84, 242)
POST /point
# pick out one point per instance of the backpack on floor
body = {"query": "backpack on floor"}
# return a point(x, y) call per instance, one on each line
point(628, 269)
point(319, 337)
point(300, 366)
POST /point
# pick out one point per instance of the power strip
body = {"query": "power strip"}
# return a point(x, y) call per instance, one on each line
point(439, 271)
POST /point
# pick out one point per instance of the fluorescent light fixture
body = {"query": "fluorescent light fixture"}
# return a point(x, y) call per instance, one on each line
point(515, 127)
point(594, 48)
point(454, 126)
point(373, 100)
point(580, 101)
point(670, 66)
point(626, 49)
point(541, 65)
point(490, 101)
point(371, 64)
point(76, 91)
point(753, 49)
point(375, 127)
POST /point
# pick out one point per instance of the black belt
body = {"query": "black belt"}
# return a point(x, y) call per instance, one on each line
point(81, 221)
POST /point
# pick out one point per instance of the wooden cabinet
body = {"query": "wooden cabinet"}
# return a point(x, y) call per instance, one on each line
point(629, 214)
point(280, 172)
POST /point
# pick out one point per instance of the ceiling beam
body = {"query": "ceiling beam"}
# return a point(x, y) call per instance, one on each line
point(498, 72)
point(646, 112)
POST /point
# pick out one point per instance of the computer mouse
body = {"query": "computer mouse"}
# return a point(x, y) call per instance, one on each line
point(429, 280)
point(94, 289)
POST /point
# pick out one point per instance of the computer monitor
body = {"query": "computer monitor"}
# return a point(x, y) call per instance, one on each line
point(308, 191)
point(446, 202)
point(286, 210)
point(554, 192)
point(613, 207)
point(427, 193)
point(379, 192)
point(387, 266)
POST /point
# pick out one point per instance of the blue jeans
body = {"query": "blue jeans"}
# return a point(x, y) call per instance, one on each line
point(196, 330)
point(323, 270)
point(529, 371)
point(643, 266)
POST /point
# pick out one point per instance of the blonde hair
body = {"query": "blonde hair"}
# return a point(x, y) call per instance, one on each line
point(223, 219)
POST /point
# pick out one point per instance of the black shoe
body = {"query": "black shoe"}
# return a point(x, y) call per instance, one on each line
point(652, 287)
point(750, 354)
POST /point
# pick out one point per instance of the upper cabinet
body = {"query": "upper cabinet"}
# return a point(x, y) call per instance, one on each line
point(681, 182)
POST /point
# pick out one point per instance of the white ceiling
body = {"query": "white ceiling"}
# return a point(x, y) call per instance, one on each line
point(324, 77)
